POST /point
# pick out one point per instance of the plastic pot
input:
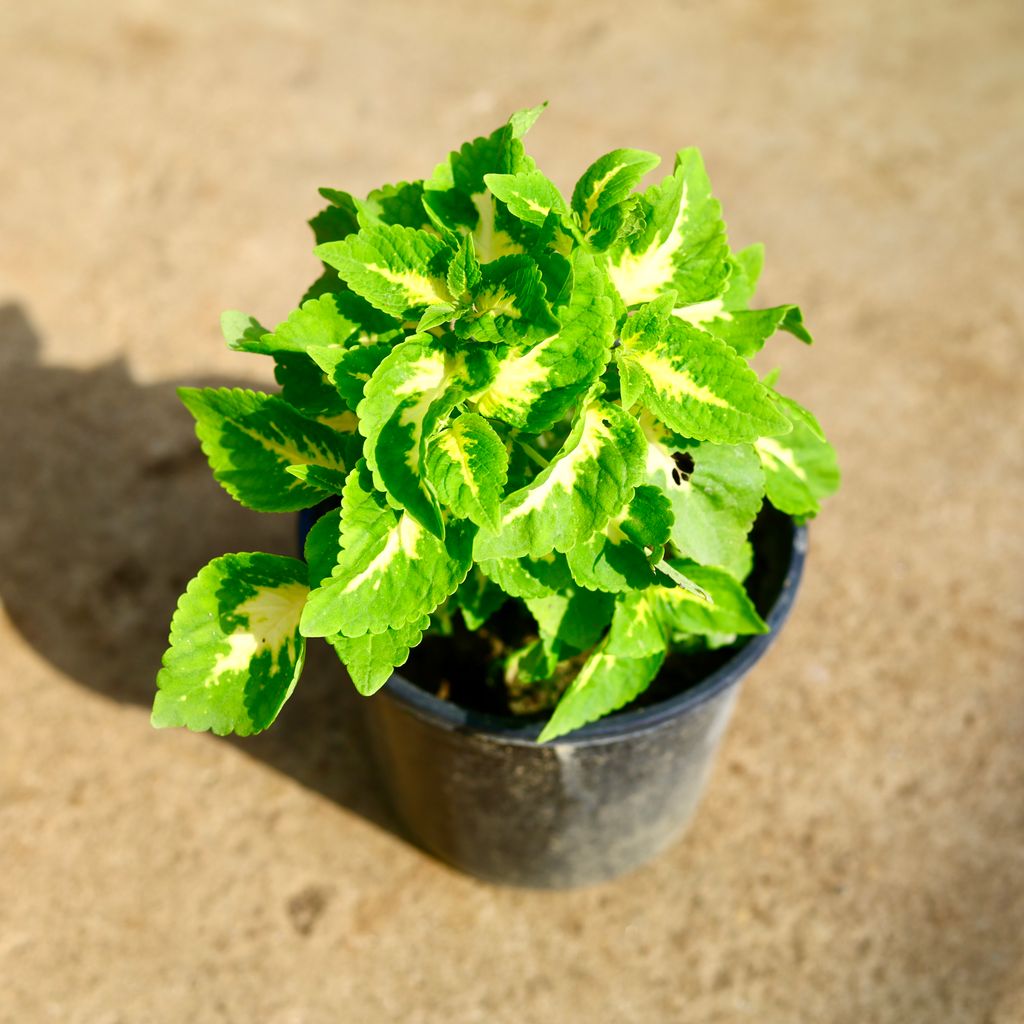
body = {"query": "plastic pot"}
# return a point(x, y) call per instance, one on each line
point(479, 792)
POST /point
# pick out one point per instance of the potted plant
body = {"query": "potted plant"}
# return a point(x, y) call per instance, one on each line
point(527, 442)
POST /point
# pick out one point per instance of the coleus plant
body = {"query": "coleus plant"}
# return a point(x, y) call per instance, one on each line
point(512, 397)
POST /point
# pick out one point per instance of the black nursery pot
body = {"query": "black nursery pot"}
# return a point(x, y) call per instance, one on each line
point(478, 791)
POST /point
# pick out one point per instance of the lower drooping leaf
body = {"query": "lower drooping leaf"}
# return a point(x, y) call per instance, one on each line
point(575, 618)
point(467, 464)
point(390, 571)
point(479, 598)
point(616, 558)
point(729, 611)
point(715, 491)
point(372, 658)
point(618, 670)
point(251, 439)
point(698, 386)
point(585, 485)
point(235, 648)
point(534, 389)
point(408, 394)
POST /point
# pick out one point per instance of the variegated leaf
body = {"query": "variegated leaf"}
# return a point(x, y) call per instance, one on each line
point(390, 570)
point(618, 670)
point(683, 245)
point(696, 384)
point(715, 492)
point(605, 184)
point(508, 304)
point(728, 611)
point(588, 482)
point(251, 439)
point(398, 270)
point(530, 195)
point(235, 649)
point(348, 370)
point(467, 465)
point(745, 330)
point(417, 385)
point(529, 577)
point(534, 389)
point(618, 558)
point(800, 468)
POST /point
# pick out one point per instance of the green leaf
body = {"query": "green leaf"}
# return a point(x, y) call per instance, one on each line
point(372, 658)
point(683, 245)
point(323, 544)
point(745, 271)
point(744, 330)
point(235, 650)
point(605, 184)
point(306, 388)
point(435, 316)
point(728, 611)
point(396, 205)
point(509, 304)
point(534, 662)
point(637, 630)
point(415, 387)
point(464, 271)
point(398, 270)
point(697, 385)
point(613, 675)
point(479, 598)
point(715, 492)
point(251, 439)
point(330, 481)
point(800, 468)
point(332, 320)
point(241, 331)
point(588, 482)
point(347, 371)
point(467, 465)
point(530, 577)
point(530, 195)
point(575, 618)
point(337, 221)
point(534, 389)
point(390, 571)
point(616, 558)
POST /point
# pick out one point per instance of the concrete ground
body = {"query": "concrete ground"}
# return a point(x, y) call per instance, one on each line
point(860, 854)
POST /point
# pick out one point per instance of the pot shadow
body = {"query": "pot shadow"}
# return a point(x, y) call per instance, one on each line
point(109, 510)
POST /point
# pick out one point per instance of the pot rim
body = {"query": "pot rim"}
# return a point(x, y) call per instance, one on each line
point(501, 729)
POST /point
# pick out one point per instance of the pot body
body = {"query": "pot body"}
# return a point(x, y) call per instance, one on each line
point(557, 815)
point(481, 794)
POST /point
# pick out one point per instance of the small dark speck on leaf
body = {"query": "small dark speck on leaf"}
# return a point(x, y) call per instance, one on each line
point(684, 466)
point(606, 423)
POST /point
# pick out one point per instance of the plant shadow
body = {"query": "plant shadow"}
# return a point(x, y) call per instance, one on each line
point(109, 510)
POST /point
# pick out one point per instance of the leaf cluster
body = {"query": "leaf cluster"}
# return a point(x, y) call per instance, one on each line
point(510, 397)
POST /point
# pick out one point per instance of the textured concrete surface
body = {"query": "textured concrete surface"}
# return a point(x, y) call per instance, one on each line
point(860, 856)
